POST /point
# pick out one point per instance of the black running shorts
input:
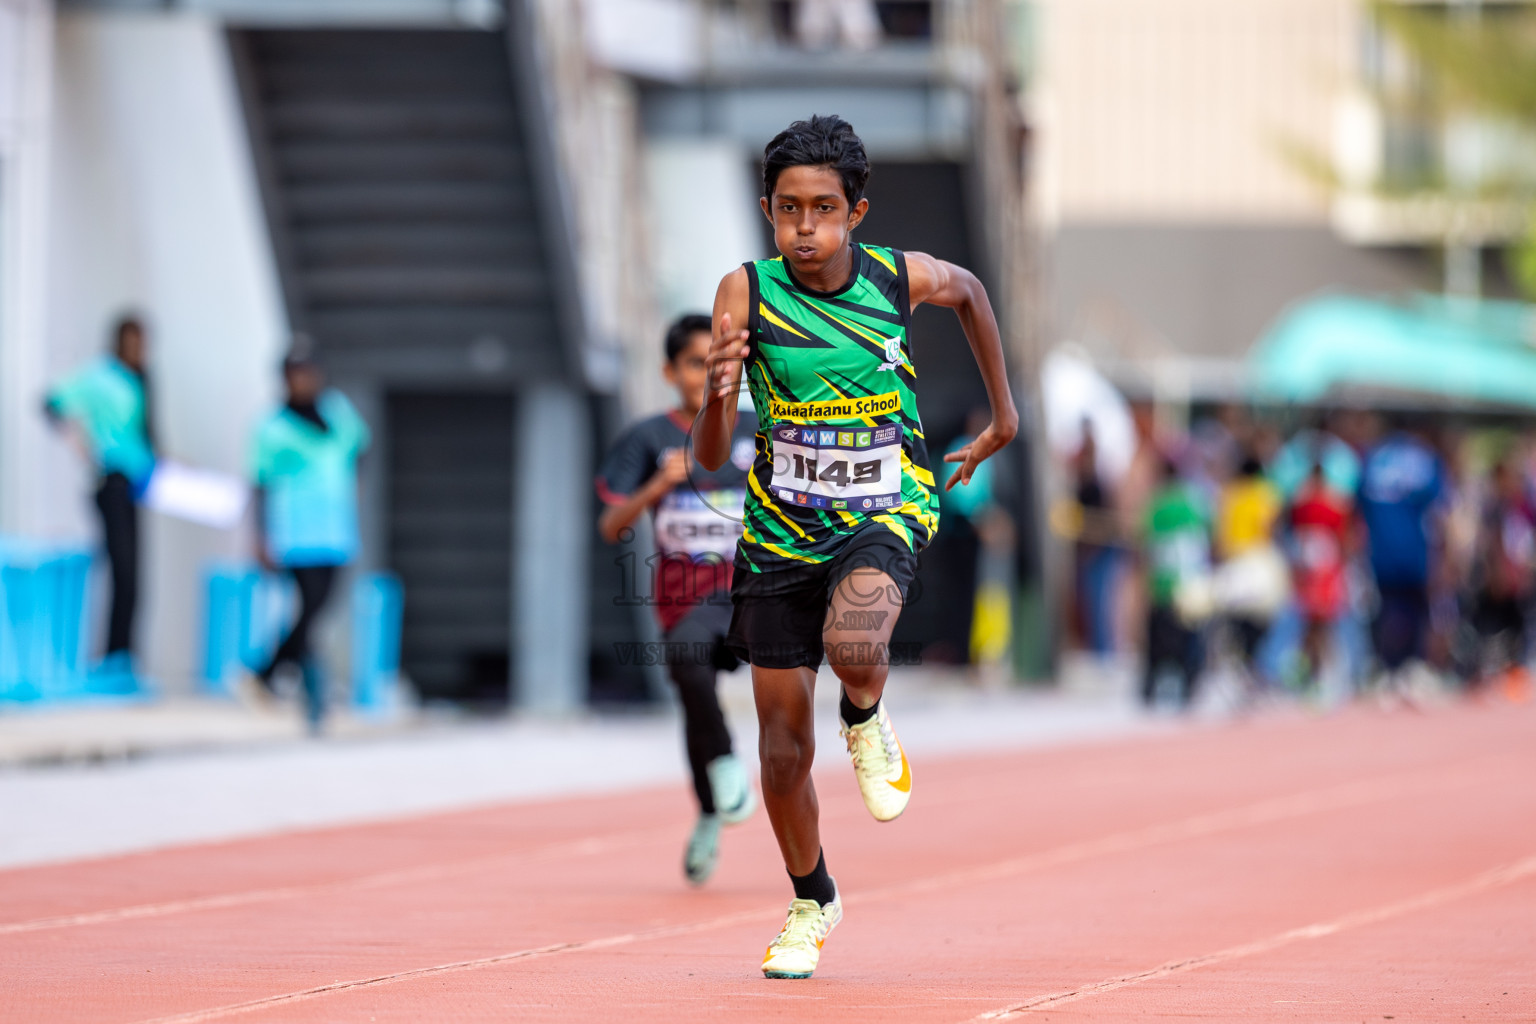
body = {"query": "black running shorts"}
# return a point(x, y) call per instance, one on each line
point(779, 616)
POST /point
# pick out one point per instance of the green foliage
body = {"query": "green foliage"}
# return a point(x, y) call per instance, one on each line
point(1485, 65)
point(1521, 262)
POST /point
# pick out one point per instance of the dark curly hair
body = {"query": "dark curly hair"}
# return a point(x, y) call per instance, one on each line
point(826, 140)
point(682, 331)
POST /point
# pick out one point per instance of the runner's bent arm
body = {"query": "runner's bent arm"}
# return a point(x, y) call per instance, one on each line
point(945, 284)
point(727, 352)
point(617, 518)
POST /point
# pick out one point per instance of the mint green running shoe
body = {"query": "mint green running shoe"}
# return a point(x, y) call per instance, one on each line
point(734, 799)
point(703, 851)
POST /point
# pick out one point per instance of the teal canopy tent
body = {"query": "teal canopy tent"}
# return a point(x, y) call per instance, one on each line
point(1477, 352)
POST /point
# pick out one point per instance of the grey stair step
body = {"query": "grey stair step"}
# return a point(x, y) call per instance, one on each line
point(368, 286)
point(455, 637)
point(513, 244)
point(451, 604)
point(420, 533)
point(395, 325)
point(449, 483)
point(391, 119)
point(451, 568)
point(407, 201)
point(382, 78)
point(360, 44)
point(329, 160)
point(415, 366)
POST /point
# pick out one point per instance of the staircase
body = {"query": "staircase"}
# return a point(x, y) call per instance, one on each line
point(395, 177)
point(398, 191)
point(450, 540)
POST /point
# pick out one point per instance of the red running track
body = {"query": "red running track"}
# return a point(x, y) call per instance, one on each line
point(1362, 867)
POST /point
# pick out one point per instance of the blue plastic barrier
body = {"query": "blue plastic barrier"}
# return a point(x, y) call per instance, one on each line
point(42, 627)
point(248, 610)
point(244, 618)
point(378, 602)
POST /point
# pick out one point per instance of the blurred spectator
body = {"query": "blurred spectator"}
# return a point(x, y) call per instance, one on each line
point(1178, 549)
point(1402, 484)
point(1319, 523)
point(1216, 445)
point(108, 405)
point(1097, 561)
point(1503, 558)
point(1132, 497)
point(825, 24)
point(1293, 464)
point(979, 550)
point(1249, 510)
point(304, 463)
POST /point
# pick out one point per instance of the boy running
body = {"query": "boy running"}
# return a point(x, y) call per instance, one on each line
point(840, 498)
point(696, 529)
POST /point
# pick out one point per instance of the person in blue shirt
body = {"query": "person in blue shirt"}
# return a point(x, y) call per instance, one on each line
point(107, 405)
point(1402, 491)
point(304, 466)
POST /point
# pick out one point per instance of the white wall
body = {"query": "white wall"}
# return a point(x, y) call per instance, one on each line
point(155, 208)
point(702, 208)
point(1174, 110)
point(25, 58)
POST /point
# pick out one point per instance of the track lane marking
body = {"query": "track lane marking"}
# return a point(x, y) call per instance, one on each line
point(1415, 783)
point(1492, 879)
point(590, 846)
point(1264, 812)
point(552, 949)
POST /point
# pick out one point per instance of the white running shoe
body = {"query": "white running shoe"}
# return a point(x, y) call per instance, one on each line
point(794, 953)
point(734, 799)
point(703, 851)
point(880, 765)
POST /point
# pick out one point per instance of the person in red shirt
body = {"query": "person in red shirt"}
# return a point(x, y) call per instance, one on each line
point(1319, 529)
point(697, 518)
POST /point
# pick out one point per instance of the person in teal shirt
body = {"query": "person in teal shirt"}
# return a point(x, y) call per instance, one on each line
point(304, 465)
point(107, 403)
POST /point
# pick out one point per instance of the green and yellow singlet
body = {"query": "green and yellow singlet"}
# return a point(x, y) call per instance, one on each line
point(839, 445)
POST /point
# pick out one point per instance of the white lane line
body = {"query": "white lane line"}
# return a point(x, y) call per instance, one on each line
point(1264, 812)
point(1318, 801)
point(607, 942)
point(1271, 810)
point(1493, 879)
point(587, 847)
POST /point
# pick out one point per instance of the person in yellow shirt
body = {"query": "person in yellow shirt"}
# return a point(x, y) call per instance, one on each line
point(1250, 507)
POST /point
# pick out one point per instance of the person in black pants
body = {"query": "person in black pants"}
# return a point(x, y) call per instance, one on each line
point(107, 405)
point(697, 518)
point(305, 470)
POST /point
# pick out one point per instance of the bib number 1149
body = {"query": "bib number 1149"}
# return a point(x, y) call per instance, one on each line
point(836, 471)
point(836, 468)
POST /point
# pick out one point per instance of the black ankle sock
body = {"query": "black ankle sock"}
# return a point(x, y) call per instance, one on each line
point(852, 713)
point(817, 885)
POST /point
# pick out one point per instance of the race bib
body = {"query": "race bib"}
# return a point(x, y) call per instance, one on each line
point(699, 523)
point(850, 470)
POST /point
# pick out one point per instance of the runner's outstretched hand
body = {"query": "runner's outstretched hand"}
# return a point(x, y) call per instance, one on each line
point(725, 359)
point(972, 455)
